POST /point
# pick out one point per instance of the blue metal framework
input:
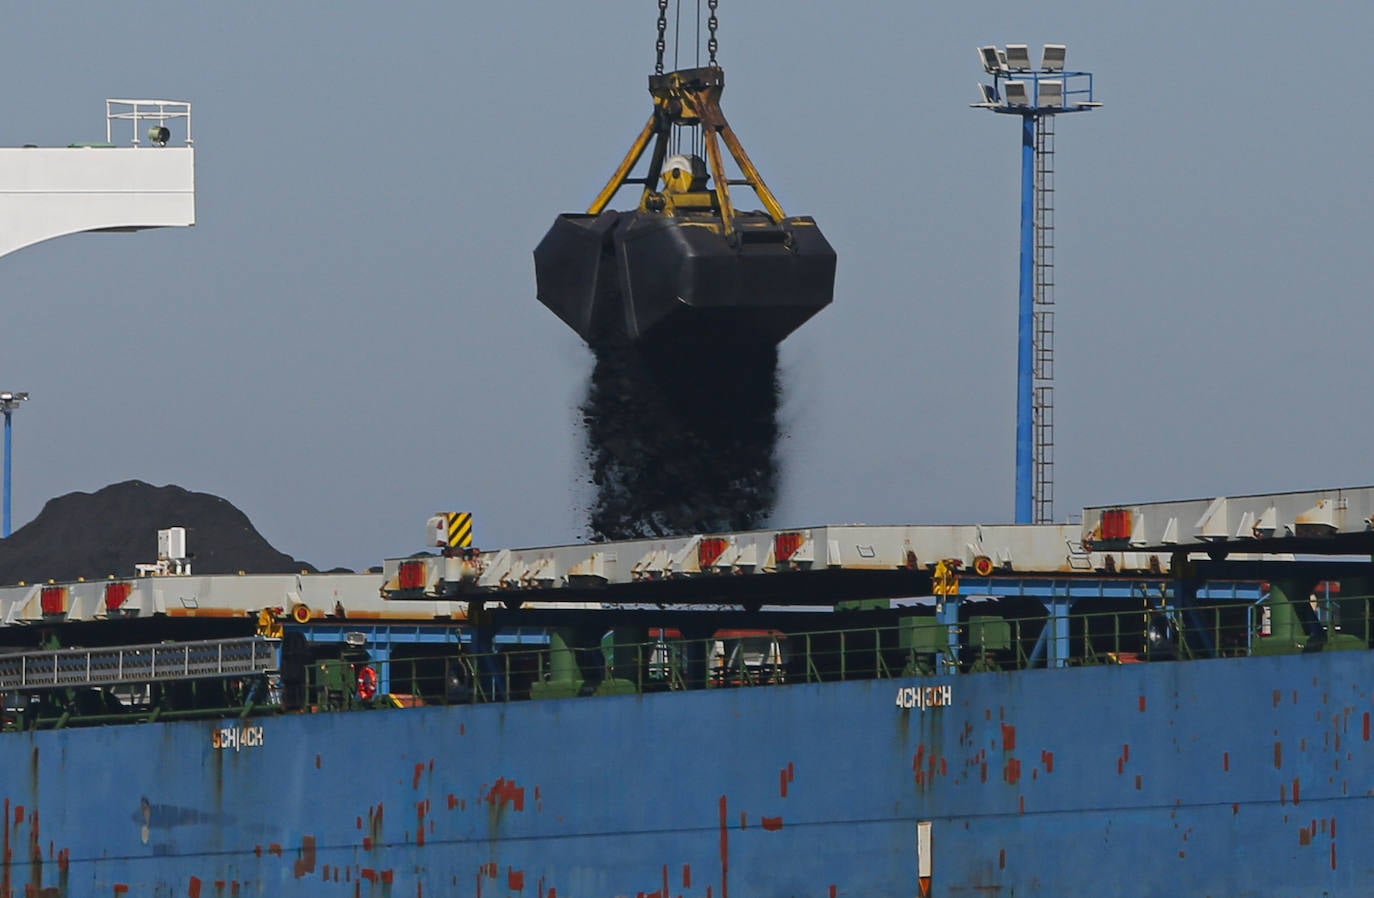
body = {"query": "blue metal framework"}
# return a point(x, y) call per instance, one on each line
point(1074, 588)
point(1060, 594)
point(1033, 94)
point(381, 639)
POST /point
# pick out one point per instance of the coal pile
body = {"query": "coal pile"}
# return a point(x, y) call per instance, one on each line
point(93, 535)
point(682, 436)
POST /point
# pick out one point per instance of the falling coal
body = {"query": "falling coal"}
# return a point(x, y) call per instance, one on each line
point(683, 299)
point(682, 434)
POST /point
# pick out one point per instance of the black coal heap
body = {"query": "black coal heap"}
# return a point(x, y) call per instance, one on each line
point(93, 535)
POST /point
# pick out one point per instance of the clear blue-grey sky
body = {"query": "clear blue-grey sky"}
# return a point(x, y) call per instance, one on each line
point(349, 340)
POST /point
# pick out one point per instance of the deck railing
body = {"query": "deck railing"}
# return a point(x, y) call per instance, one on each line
point(223, 678)
point(915, 647)
point(150, 122)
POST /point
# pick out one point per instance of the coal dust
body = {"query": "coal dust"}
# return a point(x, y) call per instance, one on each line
point(682, 436)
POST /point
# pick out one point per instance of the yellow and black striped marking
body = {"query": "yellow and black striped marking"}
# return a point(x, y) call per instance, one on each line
point(459, 529)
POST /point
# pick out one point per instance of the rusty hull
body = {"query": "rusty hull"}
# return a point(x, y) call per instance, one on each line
point(1240, 776)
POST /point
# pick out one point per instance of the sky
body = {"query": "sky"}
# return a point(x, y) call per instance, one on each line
point(348, 340)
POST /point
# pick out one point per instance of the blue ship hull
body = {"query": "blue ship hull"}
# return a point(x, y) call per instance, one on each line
point(1236, 777)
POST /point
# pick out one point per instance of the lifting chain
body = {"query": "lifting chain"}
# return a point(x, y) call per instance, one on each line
point(662, 31)
point(712, 44)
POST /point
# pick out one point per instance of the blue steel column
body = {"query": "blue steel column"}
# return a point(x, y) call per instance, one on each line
point(7, 472)
point(379, 653)
point(948, 614)
point(1059, 607)
point(1025, 325)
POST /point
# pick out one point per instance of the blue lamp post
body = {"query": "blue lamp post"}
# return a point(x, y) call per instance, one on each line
point(8, 403)
point(1036, 95)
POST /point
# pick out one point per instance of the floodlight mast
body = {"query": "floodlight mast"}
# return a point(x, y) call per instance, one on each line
point(9, 401)
point(1037, 95)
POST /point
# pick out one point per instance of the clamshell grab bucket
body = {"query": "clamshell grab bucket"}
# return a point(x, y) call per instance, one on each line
point(618, 277)
point(685, 258)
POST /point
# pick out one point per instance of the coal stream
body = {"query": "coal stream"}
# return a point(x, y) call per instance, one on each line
point(682, 436)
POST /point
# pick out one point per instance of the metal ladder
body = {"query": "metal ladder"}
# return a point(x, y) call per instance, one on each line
point(1042, 459)
point(161, 662)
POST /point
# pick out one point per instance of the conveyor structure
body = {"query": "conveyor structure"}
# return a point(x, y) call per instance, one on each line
point(808, 565)
point(156, 663)
point(142, 175)
point(817, 566)
point(1156, 556)
point(1321, 521)
point(1155, 563)
point(300, 598)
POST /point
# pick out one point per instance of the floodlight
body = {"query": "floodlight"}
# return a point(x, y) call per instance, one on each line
point(989, 95)
point(158, 135)
point(1002, 59)
point(1052, 58)
point(992, 62)
point(1018, 57)
point(1016, 92)
point(1051, 93)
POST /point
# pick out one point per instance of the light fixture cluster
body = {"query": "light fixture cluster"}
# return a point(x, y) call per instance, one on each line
point(1020, 87)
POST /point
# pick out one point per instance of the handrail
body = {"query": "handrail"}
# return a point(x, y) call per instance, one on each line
point(852, 653)
point(155, 113)
point(915, 646)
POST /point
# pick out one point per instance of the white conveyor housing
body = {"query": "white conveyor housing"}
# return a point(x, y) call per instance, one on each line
point(141, 176)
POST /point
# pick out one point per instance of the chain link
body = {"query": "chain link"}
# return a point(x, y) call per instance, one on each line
point(712, 45)
point(662, 43)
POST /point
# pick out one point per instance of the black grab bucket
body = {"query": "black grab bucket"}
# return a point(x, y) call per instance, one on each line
point(619, 277)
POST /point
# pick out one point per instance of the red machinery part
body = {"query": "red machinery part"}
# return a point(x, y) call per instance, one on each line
point(116, 594)
point(710, 549)
point(411, 575)
point(785, 545)
point(53, 600)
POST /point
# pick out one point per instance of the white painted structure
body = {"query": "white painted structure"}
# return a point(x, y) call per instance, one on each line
point(997, 548)
point(354, 597)
point(1143, 540)
point(1236, 523)
point(48, 192)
